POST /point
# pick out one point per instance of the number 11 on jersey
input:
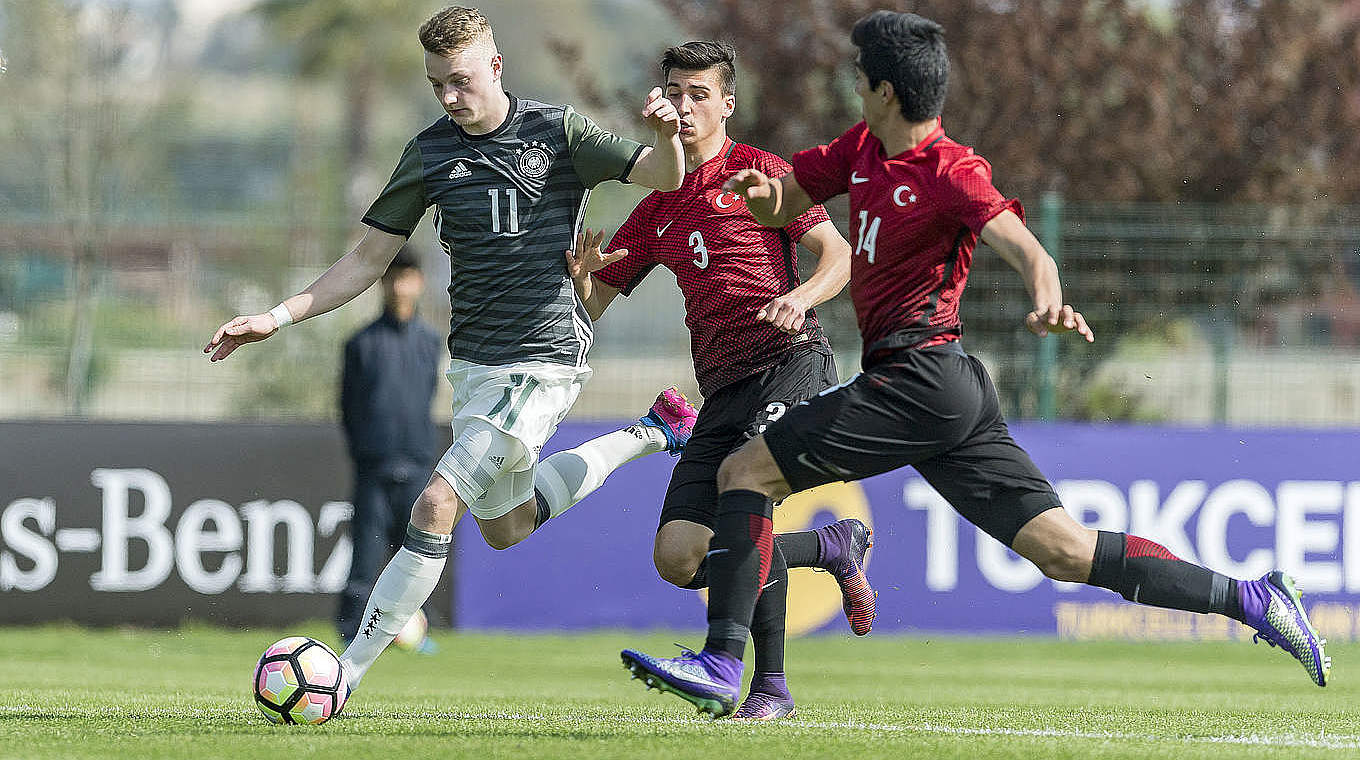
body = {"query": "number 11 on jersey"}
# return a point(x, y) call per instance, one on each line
point(512, 200)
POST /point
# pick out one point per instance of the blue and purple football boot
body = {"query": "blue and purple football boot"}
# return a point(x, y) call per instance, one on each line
point(1273, 607)
point(709, 680)
point(843, 545)
point(768, 699)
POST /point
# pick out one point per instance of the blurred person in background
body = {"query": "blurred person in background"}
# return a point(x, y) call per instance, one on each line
point(386, 389)
point(509, 178)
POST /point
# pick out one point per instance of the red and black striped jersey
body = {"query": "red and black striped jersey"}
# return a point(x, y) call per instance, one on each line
point(916, 218)
point(728, 266)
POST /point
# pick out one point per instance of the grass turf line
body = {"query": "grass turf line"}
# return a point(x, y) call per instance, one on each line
point(75, 693)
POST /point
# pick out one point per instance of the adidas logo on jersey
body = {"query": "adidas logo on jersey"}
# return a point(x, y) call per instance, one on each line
point(498, 461)
point(460, 171)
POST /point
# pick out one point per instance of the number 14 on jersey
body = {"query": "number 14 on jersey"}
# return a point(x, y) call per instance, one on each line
point(868, 235)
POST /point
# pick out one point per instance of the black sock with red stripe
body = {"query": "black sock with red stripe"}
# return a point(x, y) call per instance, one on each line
point(767, 623)
point(738, 562)
point(1146, 572)
point(801, 549)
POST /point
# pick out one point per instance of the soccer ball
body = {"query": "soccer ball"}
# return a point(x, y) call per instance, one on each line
point(412, 634)
point(299, 680)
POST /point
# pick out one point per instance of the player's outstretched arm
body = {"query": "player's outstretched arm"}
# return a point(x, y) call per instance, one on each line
point(787, 312)
point(773, 201)
point(345, 279)
point(584, 260)
point(662, 166)
point(1013, 241)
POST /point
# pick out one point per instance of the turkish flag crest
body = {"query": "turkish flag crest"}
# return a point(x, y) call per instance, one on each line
point(726, 203)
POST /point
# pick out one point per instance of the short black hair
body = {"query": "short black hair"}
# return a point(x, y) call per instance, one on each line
point(700, 56)
point(907, 50)
point(404, 260)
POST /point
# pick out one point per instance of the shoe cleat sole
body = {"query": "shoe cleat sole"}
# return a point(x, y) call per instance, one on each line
point(711, 707)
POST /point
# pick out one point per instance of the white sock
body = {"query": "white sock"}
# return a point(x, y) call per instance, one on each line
point(401, 589)
point(568, 476)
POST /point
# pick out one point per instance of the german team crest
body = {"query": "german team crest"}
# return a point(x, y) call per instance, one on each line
point(535, 160)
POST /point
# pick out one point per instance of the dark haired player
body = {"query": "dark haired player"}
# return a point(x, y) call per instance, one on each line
point(920, 202)
point(758, 349)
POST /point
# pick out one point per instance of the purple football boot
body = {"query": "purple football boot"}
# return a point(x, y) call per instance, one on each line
point(769, 699)
point(710, 681)
point(1273, 607)
point(674, 416)
point(843, 545)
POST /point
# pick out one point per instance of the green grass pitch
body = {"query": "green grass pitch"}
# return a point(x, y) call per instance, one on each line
point(74, 693)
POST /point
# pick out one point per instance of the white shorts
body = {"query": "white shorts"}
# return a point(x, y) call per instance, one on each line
point(502, 417)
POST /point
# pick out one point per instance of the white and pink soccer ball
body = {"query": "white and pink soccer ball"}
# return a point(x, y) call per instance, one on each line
point(299, 680)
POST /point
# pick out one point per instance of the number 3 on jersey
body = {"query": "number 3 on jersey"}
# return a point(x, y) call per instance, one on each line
point(696, 243)
point(512, 200)
point(867, 239)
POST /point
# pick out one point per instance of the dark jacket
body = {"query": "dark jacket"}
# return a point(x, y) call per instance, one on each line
point(391, 368)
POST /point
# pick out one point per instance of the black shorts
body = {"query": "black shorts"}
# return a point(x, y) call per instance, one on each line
point(732, 416)
point(933, 408)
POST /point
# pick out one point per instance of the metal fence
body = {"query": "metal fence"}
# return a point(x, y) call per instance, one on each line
point(1204, 314)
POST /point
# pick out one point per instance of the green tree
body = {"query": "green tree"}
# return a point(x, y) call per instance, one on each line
point(359, 46)
point(93, 83)
point(1201, 100)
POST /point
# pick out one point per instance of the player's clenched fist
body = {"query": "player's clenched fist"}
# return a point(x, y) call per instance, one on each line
point(660, 113)
point(238, 332)
point(787, 312)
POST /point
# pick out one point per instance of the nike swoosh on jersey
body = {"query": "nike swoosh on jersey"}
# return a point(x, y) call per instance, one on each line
point(715, 551)
point(662, 230)
point(855, 179)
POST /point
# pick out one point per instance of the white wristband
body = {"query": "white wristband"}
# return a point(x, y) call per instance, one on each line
point(282, 316)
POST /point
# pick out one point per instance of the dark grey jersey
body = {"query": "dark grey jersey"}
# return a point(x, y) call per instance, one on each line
point(507, 205)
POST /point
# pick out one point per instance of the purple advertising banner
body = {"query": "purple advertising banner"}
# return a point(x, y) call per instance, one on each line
point(1240, 502)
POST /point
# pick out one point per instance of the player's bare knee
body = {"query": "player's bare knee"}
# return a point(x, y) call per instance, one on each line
point(434, 511)
point(678, 551)
point(500, 537)
point(676, 573)
point(509, 529)
point(1058, 545)
point(676, 565)
point(752, 468)
point(741, 470)
point(1064, 562)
